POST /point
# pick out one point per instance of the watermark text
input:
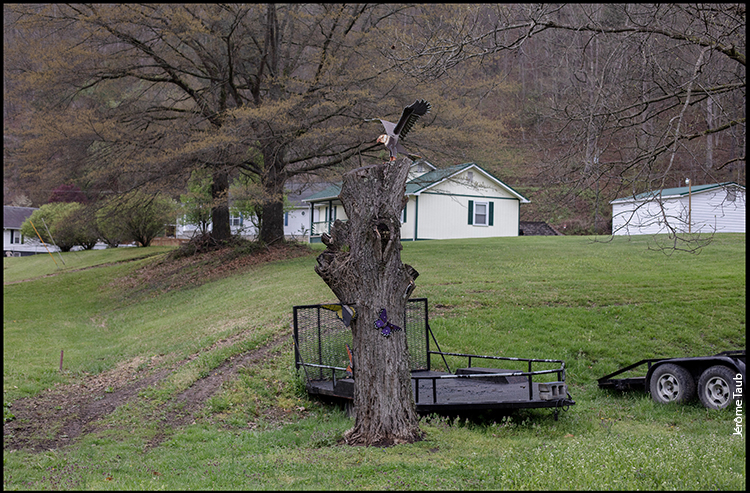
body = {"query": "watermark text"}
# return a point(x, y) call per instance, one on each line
point(737, 396)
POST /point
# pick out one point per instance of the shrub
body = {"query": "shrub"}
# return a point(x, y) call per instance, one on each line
point(61, 223)
point(138, 216)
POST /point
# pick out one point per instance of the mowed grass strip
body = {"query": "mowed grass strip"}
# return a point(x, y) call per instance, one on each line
point(596, 304)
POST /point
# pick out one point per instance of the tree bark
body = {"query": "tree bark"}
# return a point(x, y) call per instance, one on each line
point(272, 224)
point(272, 208)
point(370, 276)
point(220, 229)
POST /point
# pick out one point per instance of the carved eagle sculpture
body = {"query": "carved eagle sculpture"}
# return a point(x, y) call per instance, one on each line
point(396, 131)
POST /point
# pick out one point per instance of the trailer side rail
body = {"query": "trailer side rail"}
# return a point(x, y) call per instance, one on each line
point(529, 374)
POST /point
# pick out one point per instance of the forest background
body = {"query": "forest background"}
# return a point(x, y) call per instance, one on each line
point(573, 105)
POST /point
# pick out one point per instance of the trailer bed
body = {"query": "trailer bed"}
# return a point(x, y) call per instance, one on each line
point(454, 394)
point(320, 339)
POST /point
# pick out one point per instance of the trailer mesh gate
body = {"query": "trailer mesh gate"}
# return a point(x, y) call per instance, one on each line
point(321, 338)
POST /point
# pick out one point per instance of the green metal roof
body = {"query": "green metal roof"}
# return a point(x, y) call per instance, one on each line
point(675, 192)
point(331, 192)
point(432, 177)
point(417, 184)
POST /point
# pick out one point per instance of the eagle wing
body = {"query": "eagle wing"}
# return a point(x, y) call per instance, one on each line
point(388, 127)
point(409, 117)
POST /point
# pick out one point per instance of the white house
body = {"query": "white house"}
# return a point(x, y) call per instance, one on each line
point(460, 201)
point(296, 218)
point(14, 243)
point(712, 208)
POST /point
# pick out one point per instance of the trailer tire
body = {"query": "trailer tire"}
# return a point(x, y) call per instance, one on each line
point(716, 386)
point(672, 383)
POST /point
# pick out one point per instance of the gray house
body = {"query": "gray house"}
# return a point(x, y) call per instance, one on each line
point(14, 243)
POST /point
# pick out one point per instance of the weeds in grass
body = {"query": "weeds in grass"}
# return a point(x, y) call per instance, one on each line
point(601, 307)
point(7, 415)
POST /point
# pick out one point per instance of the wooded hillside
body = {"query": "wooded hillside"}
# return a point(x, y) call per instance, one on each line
point(574, 105)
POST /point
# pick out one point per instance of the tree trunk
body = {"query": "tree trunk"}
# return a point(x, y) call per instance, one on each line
point(272, 224)
point(220, 230)
point(370, 276)
point(272, 210)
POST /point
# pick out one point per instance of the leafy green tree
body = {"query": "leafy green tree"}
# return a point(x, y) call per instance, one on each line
point(198, 202)
point(84, 227)
point(144, 216)
point(153, 91)
point(56, 223)
point(110, 219)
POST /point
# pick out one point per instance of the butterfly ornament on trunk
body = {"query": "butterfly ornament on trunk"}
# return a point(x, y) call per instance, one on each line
point(384, 325)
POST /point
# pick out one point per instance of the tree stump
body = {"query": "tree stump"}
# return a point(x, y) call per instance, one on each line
point(362, 266)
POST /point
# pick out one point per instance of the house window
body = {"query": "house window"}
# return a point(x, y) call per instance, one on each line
point(481, 213)
point(15, 236)
point(731, 195)
point(286, 219)
point(470, 176)
point(235, 221)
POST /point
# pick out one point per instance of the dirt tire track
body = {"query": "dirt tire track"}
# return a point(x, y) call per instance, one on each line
point(56, 417)
point(195, 396)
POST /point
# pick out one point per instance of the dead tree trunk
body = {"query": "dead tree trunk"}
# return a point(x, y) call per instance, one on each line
point(370, 276)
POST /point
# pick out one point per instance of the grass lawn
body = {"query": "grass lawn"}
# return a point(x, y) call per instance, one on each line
point(594, 303)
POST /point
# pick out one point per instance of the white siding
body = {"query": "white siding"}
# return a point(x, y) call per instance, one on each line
point(720, 210)
point(407, 228)
point(297, 222)
point(29, 245)
point(296, 225)
point(444, 210)
point(712, 211)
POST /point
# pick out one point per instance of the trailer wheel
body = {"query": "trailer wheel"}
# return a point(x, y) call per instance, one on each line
point(672, 383)
point(715, 387)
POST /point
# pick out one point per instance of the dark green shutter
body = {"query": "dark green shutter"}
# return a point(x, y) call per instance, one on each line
point(471, 212)
point(492, 211)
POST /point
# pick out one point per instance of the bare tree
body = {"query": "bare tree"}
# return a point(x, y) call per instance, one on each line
point(154, 91)
point(622, 90)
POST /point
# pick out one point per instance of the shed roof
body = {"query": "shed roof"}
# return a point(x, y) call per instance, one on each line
point(13, 217)
point(676, 192)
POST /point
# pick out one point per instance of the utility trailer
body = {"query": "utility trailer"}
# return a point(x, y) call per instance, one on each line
point(321, 340)
point(715, 379)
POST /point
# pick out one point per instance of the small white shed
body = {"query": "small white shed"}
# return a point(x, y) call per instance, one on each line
point(712, 208)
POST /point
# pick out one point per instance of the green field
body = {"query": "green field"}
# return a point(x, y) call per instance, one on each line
point(596, 304)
